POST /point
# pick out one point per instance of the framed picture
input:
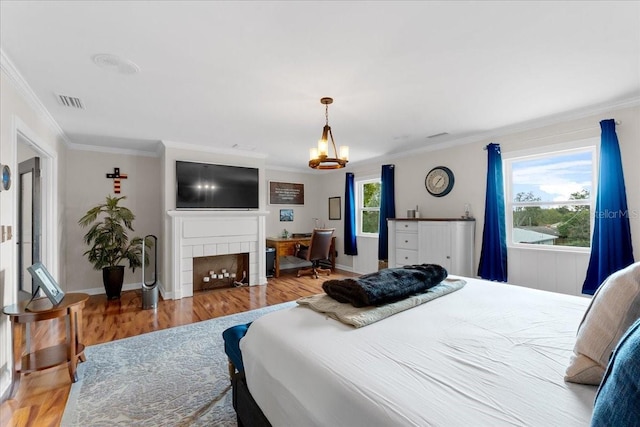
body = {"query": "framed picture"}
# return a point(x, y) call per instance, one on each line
point(46, 282)
point(286, 193)
point(335, 209)
point(286, 214)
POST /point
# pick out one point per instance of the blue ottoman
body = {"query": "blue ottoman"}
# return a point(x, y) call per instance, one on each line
point(232, 337)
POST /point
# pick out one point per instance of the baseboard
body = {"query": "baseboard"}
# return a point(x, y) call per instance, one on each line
point(344, 268)
point(5, 382)
point(125, 287)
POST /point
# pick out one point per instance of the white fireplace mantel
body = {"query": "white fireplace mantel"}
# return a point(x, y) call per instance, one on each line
point(207, 233)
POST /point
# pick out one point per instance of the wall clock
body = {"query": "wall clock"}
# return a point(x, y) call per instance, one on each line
point(439, 181)
point(6, 177)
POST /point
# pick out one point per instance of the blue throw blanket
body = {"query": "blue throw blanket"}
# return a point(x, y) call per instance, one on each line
point(385, 286)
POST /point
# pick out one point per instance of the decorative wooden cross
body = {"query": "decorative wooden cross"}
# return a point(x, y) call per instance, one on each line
point(116, 176)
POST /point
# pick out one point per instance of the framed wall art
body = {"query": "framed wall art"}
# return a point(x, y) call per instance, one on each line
point(286, 193)
point(335, 210)
point(286, 214)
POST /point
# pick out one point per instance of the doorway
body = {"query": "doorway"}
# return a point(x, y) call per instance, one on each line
point(29, 218)
point(29, 227)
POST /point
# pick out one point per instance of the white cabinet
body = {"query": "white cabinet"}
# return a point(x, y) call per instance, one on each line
point(405, 248)
point(449, 243)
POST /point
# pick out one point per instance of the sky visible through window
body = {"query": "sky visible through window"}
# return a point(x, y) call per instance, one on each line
point(553, 178)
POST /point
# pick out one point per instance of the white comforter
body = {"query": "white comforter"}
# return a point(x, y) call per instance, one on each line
point(487, 355)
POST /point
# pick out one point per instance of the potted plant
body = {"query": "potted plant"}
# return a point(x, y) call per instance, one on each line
point(109, 243)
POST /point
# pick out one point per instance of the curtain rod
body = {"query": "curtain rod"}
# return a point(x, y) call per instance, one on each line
point(617, 122)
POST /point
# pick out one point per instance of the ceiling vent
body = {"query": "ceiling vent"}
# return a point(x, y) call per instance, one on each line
point(70, 101)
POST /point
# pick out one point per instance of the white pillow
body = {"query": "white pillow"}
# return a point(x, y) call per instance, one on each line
point(614, 307)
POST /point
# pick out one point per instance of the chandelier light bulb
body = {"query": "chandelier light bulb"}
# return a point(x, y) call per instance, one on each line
point(313, 153)
point(344, 152)
point(323, 147)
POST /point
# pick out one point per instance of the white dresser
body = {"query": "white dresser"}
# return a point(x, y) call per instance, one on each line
point(447, 242)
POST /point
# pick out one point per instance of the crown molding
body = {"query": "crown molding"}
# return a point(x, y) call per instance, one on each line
point(305, 170)
point(215, 150)
point(20, 84)
point(114, 150)
point(512, 129)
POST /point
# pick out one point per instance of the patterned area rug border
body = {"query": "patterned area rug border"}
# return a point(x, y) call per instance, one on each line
point(172, 377)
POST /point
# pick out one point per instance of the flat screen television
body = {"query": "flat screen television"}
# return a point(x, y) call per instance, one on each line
point(209, 186)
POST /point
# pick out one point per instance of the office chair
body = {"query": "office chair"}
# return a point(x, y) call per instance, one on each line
point(319, 249)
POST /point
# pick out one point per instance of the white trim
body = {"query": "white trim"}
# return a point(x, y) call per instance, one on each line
point(587, 144)
point(5, 378)
point(49, 169)
point(125, 287)
point(360, 183)
point(544, 151)
point(344, 267)
point(453, 141)
point(207, 233)
point(21, 85)
point(115, 150)
point(209, 149)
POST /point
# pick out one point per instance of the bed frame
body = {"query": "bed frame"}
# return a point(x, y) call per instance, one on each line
point(248, 412)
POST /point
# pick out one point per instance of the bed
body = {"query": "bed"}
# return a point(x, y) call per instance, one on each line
point(488, 354)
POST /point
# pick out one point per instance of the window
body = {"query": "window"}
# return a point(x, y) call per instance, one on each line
point(550, 197)
point(368, 202)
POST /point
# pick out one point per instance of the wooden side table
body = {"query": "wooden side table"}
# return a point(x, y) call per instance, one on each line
point(69, 351)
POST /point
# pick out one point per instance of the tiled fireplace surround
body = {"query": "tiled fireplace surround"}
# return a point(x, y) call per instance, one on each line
point(210, 233)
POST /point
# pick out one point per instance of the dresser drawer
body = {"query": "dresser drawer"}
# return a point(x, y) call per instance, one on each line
point(407, 241)
point(404, 257)
point(407, 226)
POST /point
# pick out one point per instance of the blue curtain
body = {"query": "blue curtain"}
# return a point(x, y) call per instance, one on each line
point(493, 258)
point(350, 244)
point(611, 242)
point(387, 209)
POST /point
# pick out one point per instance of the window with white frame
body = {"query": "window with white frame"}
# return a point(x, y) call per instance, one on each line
point(550, 197)
point(368, 202)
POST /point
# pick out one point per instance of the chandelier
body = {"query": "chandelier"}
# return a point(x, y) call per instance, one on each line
point(319, 157)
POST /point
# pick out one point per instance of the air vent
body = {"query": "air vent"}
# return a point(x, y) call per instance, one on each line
point(243, 147)
point(435, 135)
point(70, 101)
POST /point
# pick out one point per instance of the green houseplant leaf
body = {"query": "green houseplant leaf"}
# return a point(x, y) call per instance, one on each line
point(108, 239)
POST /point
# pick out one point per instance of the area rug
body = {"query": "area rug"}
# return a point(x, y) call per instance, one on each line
point(173, 377)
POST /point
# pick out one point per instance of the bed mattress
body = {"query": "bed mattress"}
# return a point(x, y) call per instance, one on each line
point(487, 355)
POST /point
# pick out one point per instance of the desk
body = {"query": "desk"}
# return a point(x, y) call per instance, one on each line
point(286, 247)
point(70, 351)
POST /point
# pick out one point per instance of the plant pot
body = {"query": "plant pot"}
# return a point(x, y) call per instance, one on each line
point(112, 278)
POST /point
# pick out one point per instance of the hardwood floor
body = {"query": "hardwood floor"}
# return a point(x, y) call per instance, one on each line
point(42, 396)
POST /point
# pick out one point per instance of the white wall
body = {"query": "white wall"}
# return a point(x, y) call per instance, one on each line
point(314, 206)
point(87, 186)
point(540, 269)
point(171, 153)
point(19, 110)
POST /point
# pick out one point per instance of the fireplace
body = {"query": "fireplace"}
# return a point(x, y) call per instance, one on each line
point(196, 234)
point(220, 271)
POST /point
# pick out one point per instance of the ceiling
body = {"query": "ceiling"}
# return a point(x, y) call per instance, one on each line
point(251, 74)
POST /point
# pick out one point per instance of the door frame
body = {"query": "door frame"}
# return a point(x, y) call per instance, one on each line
point(49, 183)
point(32, 166)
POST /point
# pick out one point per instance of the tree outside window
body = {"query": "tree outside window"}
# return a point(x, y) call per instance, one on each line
point(369, 206)
point(549, 198)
